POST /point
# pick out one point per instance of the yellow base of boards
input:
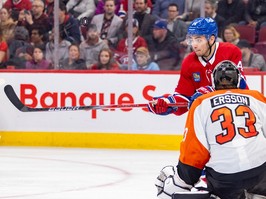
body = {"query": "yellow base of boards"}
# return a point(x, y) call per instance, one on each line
point(92, 140)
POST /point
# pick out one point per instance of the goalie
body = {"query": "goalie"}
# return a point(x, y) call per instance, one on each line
point(225, 133)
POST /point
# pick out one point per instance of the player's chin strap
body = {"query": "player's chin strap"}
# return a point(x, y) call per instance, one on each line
point(210, 50)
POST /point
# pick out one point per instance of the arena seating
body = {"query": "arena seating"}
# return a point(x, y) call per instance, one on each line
point(247, 32)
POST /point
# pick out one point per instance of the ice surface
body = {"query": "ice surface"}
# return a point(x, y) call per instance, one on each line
point(80, 173)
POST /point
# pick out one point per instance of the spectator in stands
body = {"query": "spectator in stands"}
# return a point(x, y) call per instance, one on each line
point(37, 36)
point(21, 39)
point(250, 59)
point(3, 51)
point(100, 7)
point(231, 10)
point(108, 24)
point(7, 25)
point(62, 47)
point(143, 60)
point(81, 8)
point(145, 20)
point(121, 53)
point(38, 60)
point(91, 47)
point(192, 10)
point(163, 47)
point(160, 8)
point(124, 7)
point(15, 6)
point(49, 9)
point(69, 25)
point(105, 61)
point(210, 11)
point(21, 56)
point(73, 62)
point(230, 34)
point(176, 25)
point(255, 14)
point(35, 17)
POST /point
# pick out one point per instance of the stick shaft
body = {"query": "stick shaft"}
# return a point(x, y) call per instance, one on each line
point(12, 96)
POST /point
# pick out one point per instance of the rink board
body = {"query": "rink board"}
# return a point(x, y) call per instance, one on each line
point(92, 140)
point(117, 128)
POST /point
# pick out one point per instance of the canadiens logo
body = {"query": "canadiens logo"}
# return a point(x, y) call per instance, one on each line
point(196, 77)
point(124, 59)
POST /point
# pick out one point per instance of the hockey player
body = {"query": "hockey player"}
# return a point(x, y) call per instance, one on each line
point(197, 67)
point(225, 133)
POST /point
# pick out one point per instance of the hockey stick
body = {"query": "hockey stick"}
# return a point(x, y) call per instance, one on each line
point(12, 96)
point(192, 195)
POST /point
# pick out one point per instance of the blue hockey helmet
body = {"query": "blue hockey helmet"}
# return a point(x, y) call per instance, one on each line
point(203, 26)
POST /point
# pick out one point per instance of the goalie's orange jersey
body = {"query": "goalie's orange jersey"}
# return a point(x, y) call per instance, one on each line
point(226, 130)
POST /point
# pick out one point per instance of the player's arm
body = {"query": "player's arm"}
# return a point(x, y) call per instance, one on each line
point(160, 105)
point(243, 82)
point(194, 148)
point(182, 94)
point(189, 174)
point(237, 59)
point(185, 91)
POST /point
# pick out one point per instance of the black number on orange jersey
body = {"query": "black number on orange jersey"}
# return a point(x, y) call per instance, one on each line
point(226, 118)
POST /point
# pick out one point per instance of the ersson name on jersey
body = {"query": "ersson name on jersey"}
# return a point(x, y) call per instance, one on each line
point(230, 99)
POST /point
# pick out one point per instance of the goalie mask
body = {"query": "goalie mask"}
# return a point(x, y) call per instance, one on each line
point(226, 76)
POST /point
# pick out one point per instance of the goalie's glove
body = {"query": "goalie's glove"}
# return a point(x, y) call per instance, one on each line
point(160, 106)
point(199, 92)
point(169, 182)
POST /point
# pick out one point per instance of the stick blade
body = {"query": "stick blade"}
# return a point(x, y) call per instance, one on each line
point(13, 98)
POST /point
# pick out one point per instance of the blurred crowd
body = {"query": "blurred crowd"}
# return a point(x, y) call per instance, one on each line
point(97, 34)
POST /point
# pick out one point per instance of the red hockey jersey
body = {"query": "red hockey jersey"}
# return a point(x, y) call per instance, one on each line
point(196, 72)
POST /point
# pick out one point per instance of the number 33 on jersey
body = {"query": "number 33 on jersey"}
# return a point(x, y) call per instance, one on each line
point(221, 129)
